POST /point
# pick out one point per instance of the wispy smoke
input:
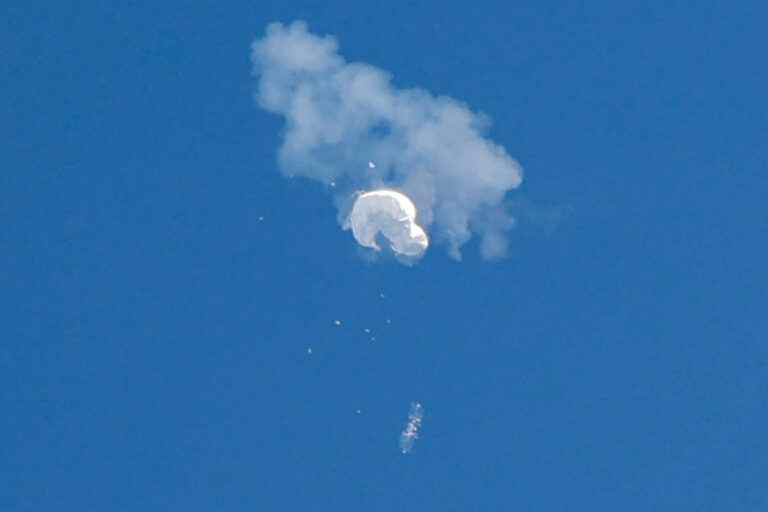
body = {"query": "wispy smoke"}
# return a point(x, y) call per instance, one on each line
point(341, 115)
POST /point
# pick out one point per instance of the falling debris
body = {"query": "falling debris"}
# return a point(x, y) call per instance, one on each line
point(339, 114)
point(337, 322)
point(411, 431)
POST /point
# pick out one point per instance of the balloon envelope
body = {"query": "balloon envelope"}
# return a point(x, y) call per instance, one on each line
point(391, 215)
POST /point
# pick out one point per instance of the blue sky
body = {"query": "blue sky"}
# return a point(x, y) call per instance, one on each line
point(162, 281)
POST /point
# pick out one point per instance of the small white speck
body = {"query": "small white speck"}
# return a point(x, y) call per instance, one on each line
point(261, 218)
point(358, 411)
point(309, 350)
point(337, 322)
point(389, 321)
point(373, 338)
point(333, 184)
point(371, 165)
point(381, 295)
point(368, 331)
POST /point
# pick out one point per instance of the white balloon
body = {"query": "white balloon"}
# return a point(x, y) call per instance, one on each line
point(392, 215)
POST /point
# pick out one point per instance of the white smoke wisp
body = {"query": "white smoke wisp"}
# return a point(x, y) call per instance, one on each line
point(389, 214)
point(342, 116)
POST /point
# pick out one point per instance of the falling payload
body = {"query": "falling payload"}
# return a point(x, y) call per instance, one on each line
point(411, 431)
point(391, 215)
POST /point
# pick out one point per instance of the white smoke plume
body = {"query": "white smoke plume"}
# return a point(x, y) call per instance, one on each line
point(343, 116)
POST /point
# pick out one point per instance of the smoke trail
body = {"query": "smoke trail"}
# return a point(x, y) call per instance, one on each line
point(343, 116)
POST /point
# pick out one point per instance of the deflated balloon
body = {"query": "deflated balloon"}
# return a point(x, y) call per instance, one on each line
point(391, 215)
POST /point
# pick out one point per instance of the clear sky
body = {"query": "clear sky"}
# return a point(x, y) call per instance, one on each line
point(162, 283)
